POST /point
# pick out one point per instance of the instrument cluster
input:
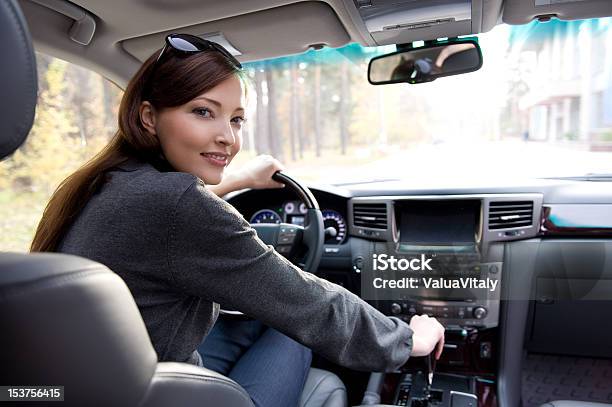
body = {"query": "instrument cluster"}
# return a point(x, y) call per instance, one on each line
point(294, 212)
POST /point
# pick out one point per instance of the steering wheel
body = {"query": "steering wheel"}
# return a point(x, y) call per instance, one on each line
point(289, 239)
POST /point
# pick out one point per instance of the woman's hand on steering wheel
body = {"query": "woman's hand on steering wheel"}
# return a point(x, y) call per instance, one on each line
point(257, 173)
point(288, 238)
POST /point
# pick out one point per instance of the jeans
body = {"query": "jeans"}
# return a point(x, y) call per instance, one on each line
point(271, 367)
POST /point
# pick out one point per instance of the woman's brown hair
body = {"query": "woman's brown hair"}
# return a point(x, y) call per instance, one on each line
point(173, 81)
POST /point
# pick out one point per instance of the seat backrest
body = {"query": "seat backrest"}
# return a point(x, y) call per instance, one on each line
point(68, 321)
point(65, 320)
point(72, 322)
point(18, 79)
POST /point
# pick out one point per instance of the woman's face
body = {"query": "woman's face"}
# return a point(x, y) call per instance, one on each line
point(202, 136)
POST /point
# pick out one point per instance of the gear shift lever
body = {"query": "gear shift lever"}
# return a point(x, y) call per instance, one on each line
point(431, 367)
point(415, 387)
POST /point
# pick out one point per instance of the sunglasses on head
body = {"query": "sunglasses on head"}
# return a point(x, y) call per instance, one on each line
point(190, 44)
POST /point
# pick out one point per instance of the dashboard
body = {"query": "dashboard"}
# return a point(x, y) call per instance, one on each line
point(472, 229)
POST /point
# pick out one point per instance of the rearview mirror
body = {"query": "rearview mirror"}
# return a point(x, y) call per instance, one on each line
point(425, 64)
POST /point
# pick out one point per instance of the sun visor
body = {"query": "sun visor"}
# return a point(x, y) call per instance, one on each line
point(523, 11)
point(403, 21)
point(285, 30)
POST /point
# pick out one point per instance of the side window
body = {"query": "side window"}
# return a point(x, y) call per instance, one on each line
point(76, 115)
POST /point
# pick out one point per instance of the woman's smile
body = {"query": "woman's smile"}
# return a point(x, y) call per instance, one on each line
point(217, 159)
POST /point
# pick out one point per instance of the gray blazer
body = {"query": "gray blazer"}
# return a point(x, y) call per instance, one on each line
point(182, 251)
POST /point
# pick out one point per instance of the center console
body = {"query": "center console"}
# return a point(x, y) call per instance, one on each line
point(464, 376)
point(446, 390)
point(460, 237)
point(412, 389)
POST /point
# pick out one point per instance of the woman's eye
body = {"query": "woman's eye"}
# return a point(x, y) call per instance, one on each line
point(202, 111)
point(238, 120)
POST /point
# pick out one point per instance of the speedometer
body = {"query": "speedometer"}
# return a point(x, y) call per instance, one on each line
point(335, 227)
point(265, 216)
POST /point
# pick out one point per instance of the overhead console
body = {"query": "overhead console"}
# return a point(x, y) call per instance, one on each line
point(524, 11)
point(403, 21)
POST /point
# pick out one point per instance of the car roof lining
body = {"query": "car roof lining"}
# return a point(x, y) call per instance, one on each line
point(127, 32)
point(113, 50)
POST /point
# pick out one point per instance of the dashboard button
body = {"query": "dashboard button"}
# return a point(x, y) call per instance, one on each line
point(286, 238)
point(480, 312)
point(396, 308)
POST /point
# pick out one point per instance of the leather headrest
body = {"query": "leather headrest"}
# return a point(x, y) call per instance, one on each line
point(18, 79)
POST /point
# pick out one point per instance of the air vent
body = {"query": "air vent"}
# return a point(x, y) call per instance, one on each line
point(370, 215)
point(506, 215)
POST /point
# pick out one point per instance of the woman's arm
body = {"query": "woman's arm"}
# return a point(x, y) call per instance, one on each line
point(214, 253)
point(255, 174)
point(450, 50)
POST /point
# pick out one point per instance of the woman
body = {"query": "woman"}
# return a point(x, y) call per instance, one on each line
point(145, 207)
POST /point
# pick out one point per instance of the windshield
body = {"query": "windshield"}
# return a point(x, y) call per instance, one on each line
point(541, 106)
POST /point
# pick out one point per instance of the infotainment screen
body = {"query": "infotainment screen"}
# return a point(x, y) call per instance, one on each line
point(439, 223)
